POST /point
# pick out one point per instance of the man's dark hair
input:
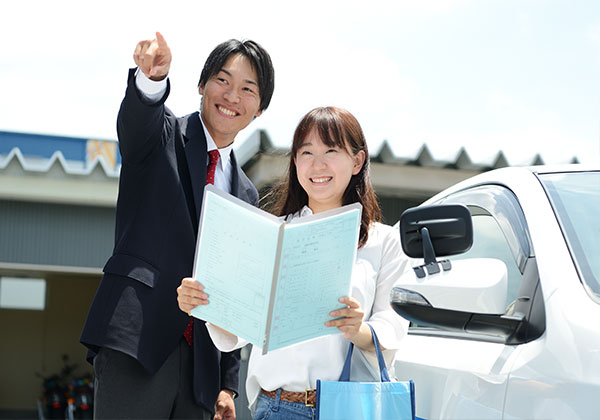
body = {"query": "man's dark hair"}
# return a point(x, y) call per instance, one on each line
point(259, 59)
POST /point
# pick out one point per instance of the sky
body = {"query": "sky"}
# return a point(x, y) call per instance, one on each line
point(517, 76)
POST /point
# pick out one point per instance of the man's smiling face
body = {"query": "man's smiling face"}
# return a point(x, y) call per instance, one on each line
point(231, 100)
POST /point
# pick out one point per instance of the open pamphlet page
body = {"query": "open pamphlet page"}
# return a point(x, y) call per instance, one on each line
point(270, 282)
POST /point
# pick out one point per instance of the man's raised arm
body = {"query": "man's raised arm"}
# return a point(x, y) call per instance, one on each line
point(141, 116)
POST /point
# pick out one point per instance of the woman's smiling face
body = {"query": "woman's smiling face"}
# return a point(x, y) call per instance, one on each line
point(325, 171)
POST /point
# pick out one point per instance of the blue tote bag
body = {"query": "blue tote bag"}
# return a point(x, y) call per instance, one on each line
point(385, 400)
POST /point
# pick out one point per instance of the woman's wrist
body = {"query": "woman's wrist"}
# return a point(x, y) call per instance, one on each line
point(363, 339)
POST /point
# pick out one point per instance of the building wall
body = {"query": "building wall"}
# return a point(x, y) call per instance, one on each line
point(55, 234)
point(392, 207)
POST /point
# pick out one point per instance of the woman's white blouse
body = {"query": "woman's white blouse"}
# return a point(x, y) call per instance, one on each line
point(378, 265)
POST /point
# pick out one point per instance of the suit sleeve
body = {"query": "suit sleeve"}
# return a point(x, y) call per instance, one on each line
point(141, 124)
point(230, 370)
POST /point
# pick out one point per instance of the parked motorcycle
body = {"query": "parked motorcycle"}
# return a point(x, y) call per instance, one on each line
point(66, 396)
point(82, 396)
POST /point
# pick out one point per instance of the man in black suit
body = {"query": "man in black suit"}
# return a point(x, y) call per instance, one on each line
point(144, 366)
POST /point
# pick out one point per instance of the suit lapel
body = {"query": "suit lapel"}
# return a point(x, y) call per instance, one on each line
point(195, 154)
point(239, 187)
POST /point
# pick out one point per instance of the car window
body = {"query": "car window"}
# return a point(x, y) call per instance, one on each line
point(575, 199)
point(490, 242)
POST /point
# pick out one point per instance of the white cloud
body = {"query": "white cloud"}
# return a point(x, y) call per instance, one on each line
point(593, 34)
point(519, 131)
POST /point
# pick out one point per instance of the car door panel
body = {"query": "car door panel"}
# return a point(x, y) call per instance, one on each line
point(456, 378)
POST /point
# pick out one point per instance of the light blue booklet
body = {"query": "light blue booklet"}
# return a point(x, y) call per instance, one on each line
point(270, 282)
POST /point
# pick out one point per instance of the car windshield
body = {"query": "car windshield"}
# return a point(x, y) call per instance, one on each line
point(575, 197)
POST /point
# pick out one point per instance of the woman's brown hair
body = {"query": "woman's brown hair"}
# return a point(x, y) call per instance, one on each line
point(337, 128)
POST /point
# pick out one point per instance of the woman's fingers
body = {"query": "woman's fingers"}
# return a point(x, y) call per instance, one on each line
point(349, 319)
point(352, 309)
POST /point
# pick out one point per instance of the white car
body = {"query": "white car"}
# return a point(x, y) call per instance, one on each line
point(509, 329)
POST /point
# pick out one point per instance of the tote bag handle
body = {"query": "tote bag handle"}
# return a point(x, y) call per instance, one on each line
point(385, 377)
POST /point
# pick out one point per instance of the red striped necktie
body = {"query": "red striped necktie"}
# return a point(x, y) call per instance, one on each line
point(213, 159)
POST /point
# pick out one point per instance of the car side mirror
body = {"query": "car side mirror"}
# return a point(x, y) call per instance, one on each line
point(435, 231)
point(466, 295)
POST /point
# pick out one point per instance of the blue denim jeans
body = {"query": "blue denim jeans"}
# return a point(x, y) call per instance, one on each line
point(275, 409)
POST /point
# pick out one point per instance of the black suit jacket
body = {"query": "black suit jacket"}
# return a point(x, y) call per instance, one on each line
point(162, 180)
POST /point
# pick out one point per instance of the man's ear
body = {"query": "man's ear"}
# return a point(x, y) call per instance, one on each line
point(359, 161)
point(201, 89)
point(258, 114)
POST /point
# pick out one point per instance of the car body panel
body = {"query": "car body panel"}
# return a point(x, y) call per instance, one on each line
point(455, 378)
point(558, 376)
point(458, 376)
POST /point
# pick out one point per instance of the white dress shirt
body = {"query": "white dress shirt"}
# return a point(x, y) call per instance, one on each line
point(153, 91)
point(378, 266)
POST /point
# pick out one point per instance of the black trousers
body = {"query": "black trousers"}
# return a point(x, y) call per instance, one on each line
point(125, 390)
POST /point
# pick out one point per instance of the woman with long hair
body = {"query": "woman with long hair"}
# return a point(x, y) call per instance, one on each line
point(328, 168)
